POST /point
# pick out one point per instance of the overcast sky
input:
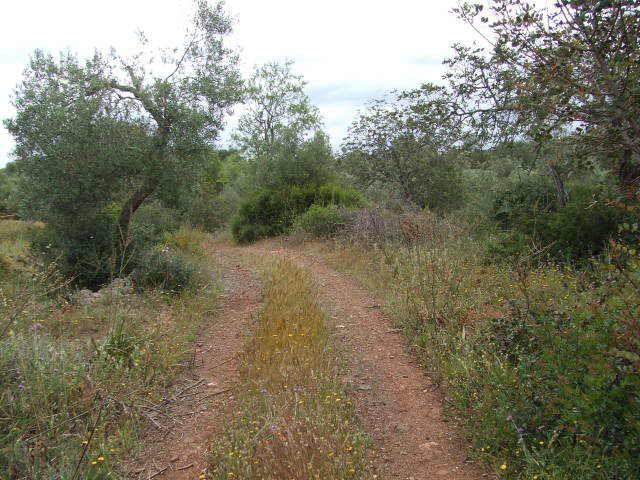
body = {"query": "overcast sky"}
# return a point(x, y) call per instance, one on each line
point(349, 51)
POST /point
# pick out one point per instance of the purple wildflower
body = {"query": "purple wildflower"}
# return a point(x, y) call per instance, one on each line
point(22, 387)
point(264, 390)
point(297, 389)
point(509, 418)
point(520, 430)
point(36, 326)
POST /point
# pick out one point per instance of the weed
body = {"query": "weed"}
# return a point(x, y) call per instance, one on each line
point(295, 418)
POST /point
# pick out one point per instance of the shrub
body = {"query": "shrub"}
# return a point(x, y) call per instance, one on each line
point(210, 210)
point(151, 222)
point(272, 212)
point(321, 221)
point(83, 249)
point(526, 197)
point(168, 270)
point(186, 239)
point(580, 229)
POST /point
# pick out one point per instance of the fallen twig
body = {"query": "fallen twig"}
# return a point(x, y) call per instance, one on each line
point(225, 362)
point(159, 472)
point(175, 395)
point(217, 393)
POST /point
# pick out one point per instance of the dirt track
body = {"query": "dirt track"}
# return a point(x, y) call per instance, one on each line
point(399, 406)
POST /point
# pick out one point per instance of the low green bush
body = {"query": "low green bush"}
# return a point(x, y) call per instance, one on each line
point(527, 197)
point(151, 222)
point(272, 212)
point(582, 228)
point(575, 232)
point(83, 249)
point(320, 221)
point(167, 269)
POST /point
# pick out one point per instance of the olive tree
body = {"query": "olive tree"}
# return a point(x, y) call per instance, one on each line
point(104, 134)
point(276, 107)
point(568, 72)
point(409, 144)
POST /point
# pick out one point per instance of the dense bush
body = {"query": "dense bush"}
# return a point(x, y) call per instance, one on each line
point(574, 232)
point(169, 270)
point(272, 212)
point(83, 250)
point(563, 383)
point(527, 197)
point(580, 229)
point(151, 222)
point(321, 221)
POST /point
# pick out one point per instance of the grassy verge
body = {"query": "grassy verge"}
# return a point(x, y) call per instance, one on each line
point(77, 371)
point(543, 360)
point(295, 419)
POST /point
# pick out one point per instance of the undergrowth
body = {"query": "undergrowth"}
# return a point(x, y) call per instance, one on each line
point(76, 371)
point(541, 359)
point(295, 419)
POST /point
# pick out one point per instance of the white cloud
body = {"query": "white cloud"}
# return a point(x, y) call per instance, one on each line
point(349, 50)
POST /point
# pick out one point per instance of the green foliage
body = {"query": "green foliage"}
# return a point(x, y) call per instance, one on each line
point(571, 70)
point(582, 228)
point(407, 146)
point(568, 384)
point(292, 162)
point(83, 251)
point(169, 270)
point(277, 107)
point(8, 187)
point(109, 129)
point(151, 223)
point(322, 222)
point(272, 212)
point(527, 197)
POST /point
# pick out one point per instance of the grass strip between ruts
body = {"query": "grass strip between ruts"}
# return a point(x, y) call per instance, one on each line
point(294, 420)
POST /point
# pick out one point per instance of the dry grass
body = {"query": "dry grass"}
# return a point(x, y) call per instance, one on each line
point(295, 420)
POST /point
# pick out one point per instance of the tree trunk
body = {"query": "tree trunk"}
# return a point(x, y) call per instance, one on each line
point(628, 174)
point(128, 209)
point(561, 190)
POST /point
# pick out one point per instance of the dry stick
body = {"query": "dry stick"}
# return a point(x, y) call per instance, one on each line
point(225, 362)
point(156, 423)
point(185, 467)
point(188, 388)
point(159, 472)
point(216, 393)
point(86, 445)
point(162, 413)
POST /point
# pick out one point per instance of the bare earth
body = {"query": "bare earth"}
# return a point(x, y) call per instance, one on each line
point(178, 450)
point(399, 406)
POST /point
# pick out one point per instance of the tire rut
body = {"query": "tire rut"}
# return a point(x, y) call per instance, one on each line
point(399, 405)
point(178, 452)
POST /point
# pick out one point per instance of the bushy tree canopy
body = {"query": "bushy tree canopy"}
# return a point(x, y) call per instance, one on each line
point(572, 69)
point(113, 129)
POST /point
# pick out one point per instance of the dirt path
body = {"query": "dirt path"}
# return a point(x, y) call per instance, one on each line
point(205, 399)
point(400, 406)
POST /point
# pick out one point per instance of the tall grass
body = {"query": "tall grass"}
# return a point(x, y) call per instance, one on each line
point(77, 372)
point(541, 359)
point(295, 419)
